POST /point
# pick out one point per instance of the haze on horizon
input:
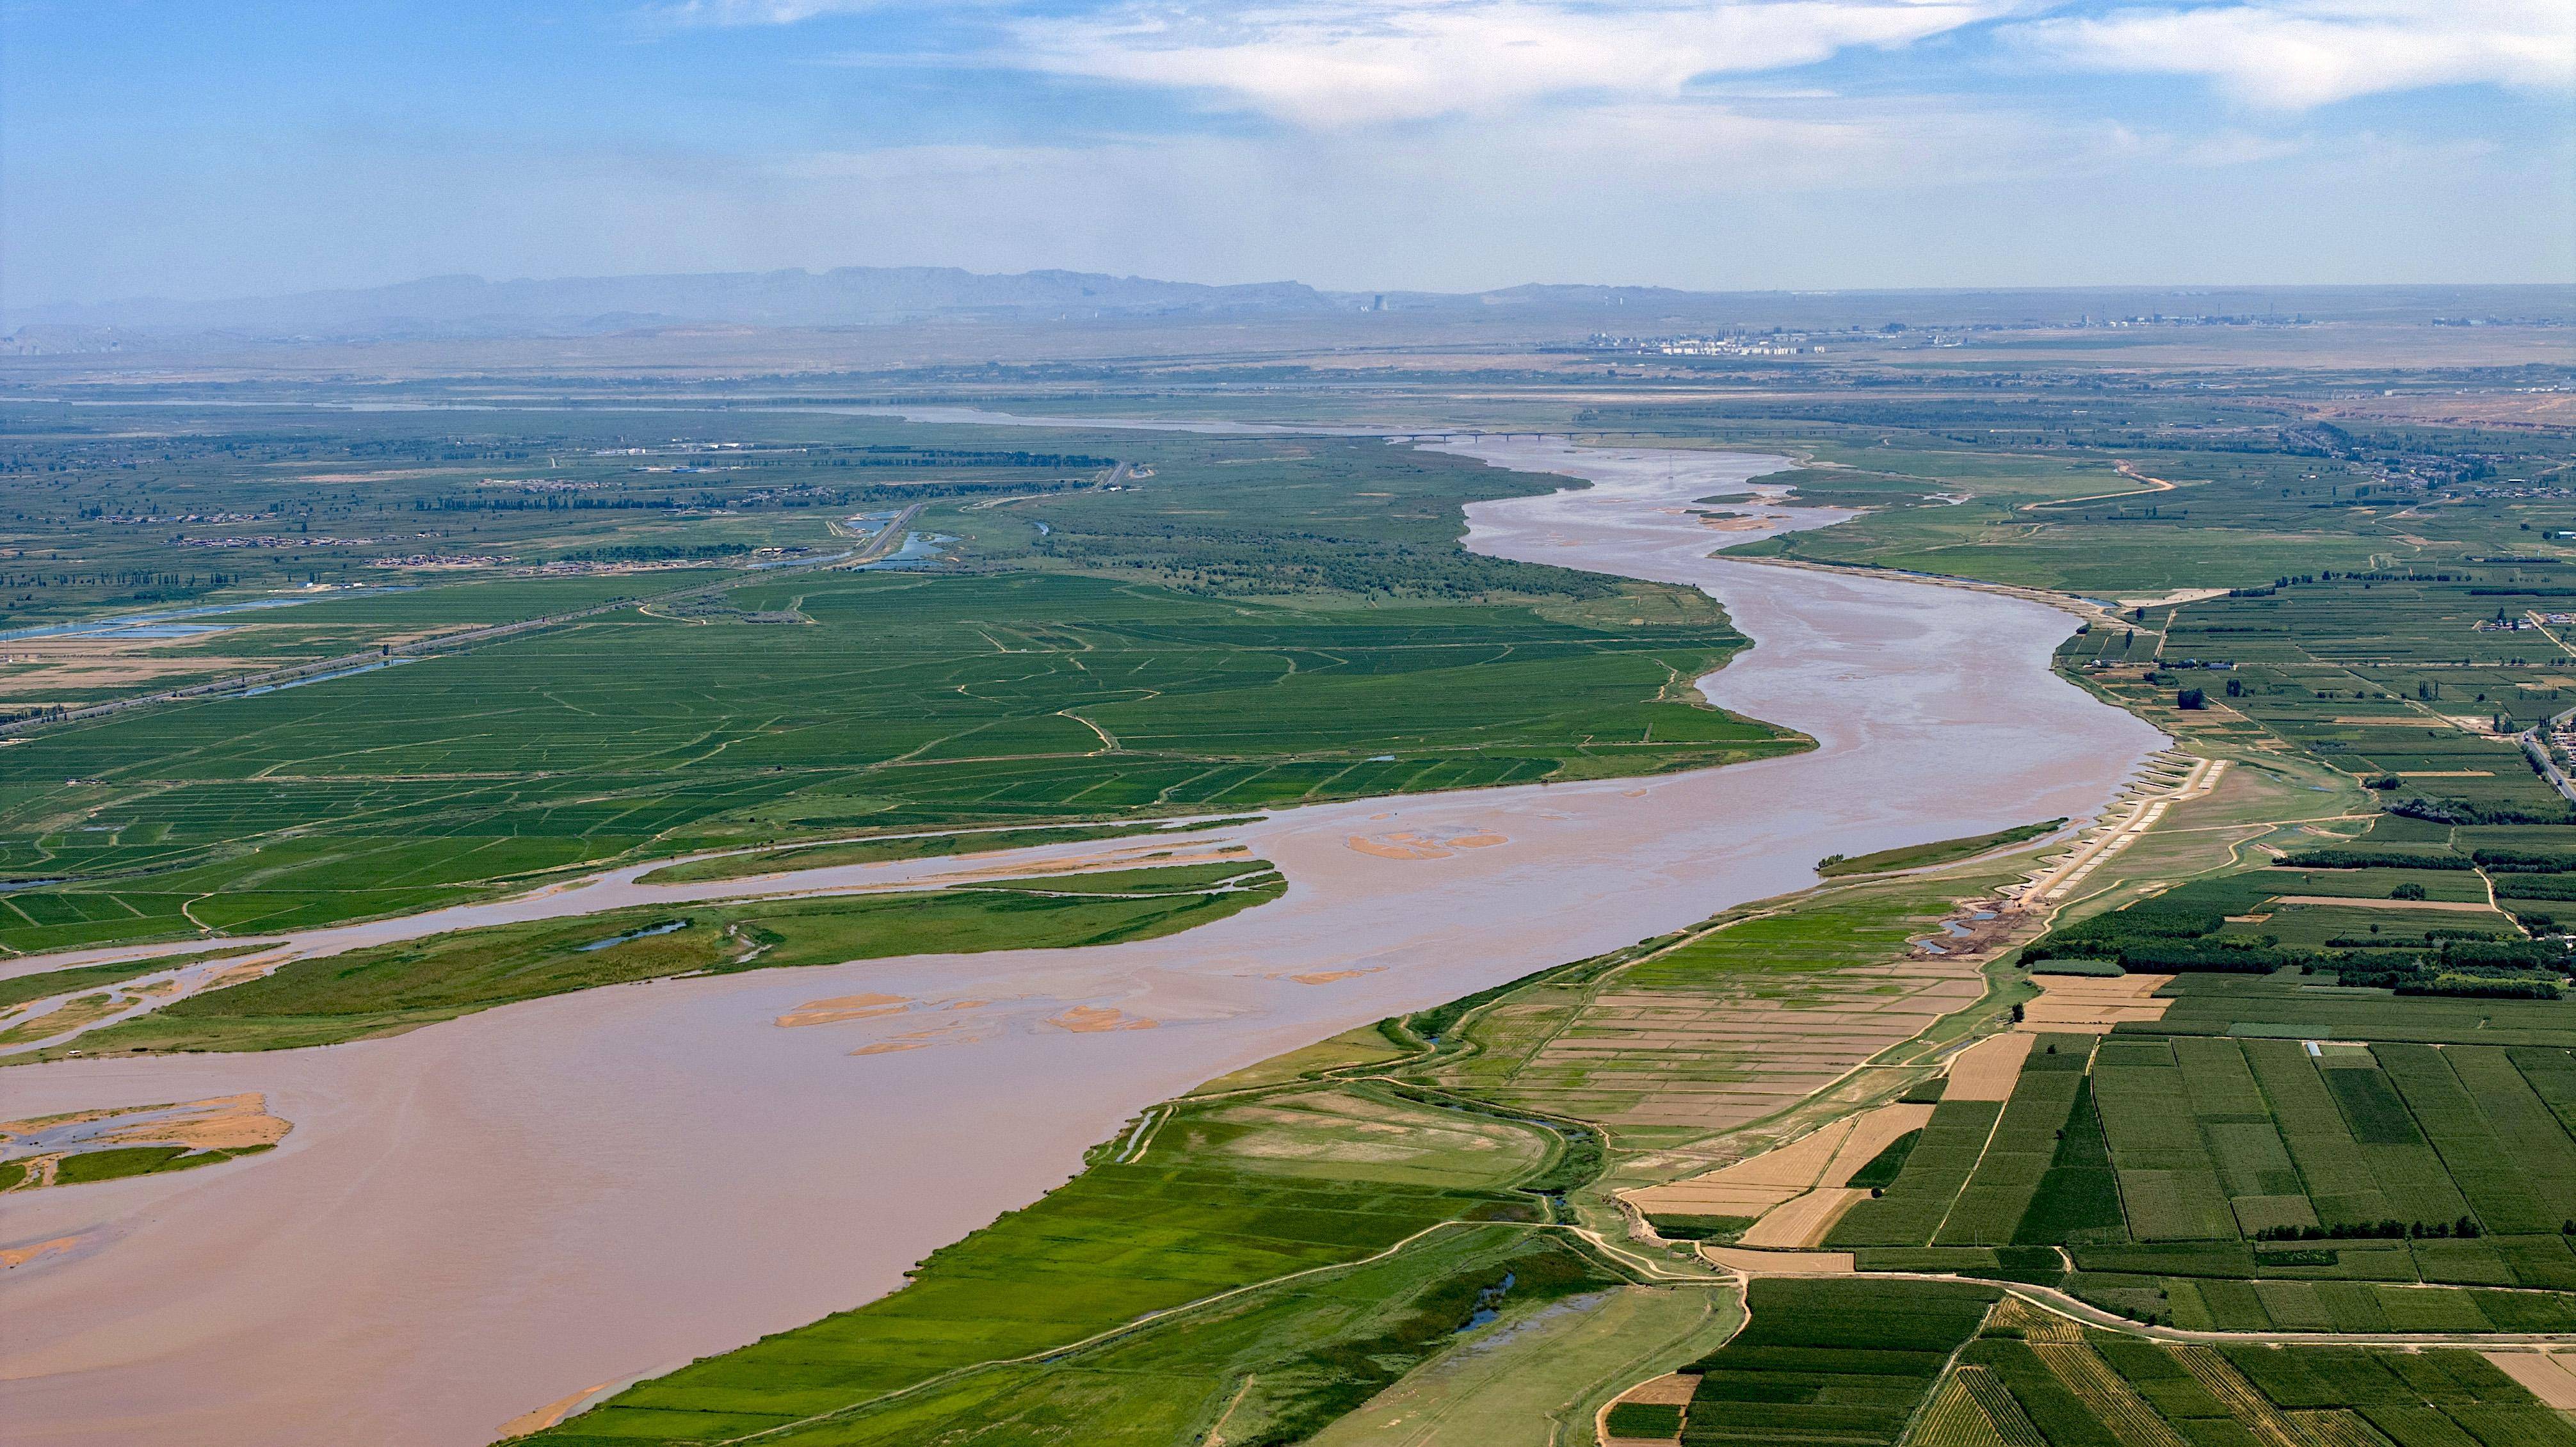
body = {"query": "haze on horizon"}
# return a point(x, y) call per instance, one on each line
point(1452, 145)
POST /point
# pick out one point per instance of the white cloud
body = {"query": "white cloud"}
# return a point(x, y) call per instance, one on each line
point(2306, 53)
point(1339, 62)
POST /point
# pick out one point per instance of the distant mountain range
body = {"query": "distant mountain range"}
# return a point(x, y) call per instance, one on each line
point(453, 307)
point(846, 296)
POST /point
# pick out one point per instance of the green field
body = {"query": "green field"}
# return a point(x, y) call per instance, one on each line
point(2033, 1378)
point(1946, 851)
point(1222, 1195)
point(2358, 1113)
point(1831, 1361)
point(908, 704)
point(2222, 1156)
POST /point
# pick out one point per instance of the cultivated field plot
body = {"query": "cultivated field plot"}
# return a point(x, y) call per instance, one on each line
point(2231, 1180)
point(2295, 1007)
point(1981, 1162)
point(2031, 1378)
point(175, 507)
point(1831, 1361)
point(1734, 1026)
point(148, 649)
point(2081, 527)
point(1817, 1171)
point(2284, 1136)
point(2368, 933)
point(2418, 679)
point(906, 702)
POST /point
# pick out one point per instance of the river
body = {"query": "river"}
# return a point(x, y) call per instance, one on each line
point(486, 1215)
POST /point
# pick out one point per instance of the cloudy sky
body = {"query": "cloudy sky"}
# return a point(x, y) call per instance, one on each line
point(202, 149)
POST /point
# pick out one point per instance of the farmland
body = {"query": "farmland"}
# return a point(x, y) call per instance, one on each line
point(1354, 651)
point(2030, 1376)
point(2335, 1101)
point(1831, 1361)
point(2335, 1169)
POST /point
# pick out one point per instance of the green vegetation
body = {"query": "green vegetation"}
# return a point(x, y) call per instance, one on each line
point(1916, 1203)
point(1644, 1419)
point(1537, 1378)
point(1655, 1050)
point(20, 989)
point(1468, 1131)
point(392, 988)
point(1831, 1360)
point(2354, 1116)
point(2238, 1179)
point(2069, 1387)
point(1882, 1169)
point(1223, 1195)
point(2257, 922)
point(118, 1162)
point(1352, 649)
point(1947, 851)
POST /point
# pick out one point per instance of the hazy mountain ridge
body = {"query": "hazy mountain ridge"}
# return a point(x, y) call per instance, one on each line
point(470, 307)
point(846, 296)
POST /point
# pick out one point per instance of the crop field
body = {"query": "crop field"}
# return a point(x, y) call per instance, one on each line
point(1226, 1194)
point(914, 846)
point(392, 988)
point(1734, 1026)
point(1992, 1208)
point(1537, 1380)
point(198, 642)
point(1831, 1361)
point(2298, 1008)
point(1369, 1126)
point(2249, 1164)
point(908, 703)
point(2058, 497)
point(126, 509)
point(2405, 679)
point(2363, 928)
point(1237, 623)
point(2029, 1379)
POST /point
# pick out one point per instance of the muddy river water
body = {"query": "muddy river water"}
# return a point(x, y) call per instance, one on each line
point(486, 1216)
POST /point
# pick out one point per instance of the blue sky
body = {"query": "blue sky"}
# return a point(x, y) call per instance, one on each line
point(208, 149)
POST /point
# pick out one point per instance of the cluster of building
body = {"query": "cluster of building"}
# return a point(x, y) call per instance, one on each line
point(2159, 319)
point(442, 560)
point(270, 540)
point(1734, 345)
point(132, 519)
